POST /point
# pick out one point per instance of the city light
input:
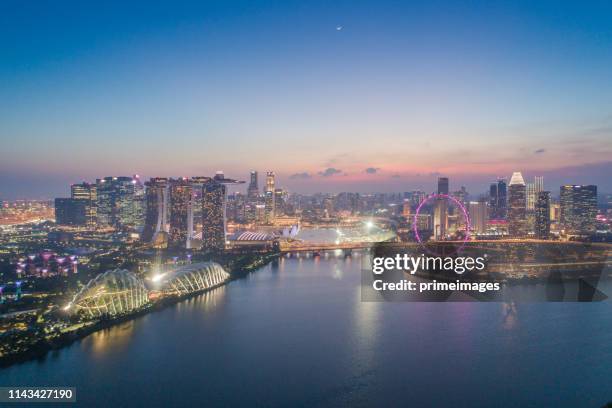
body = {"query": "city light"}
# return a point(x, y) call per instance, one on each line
point(158, 277)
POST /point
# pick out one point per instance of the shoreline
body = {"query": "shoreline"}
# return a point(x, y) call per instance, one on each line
point(41, 348)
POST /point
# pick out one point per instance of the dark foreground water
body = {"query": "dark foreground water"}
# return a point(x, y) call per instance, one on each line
point(297, 334)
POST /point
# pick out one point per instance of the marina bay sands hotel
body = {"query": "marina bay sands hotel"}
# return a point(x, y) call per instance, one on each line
point(174, 206)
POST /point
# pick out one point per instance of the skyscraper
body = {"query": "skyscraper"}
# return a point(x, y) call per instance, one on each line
point(497, 200)
point(270, 198)
point(87, 192)
point(213, 215)
point(578, 209)
point(443, 185)
point(198, 183)
point(542, 215)
point(539, 183)
point(118, 202)
point(156, 208)
point(502, 199)
point(517, 206)
point(253, 190)
point(139, 203)
point(280, 196)
point(214, 211)
point(493, 201)
point(478, 212)
point(533, 189)
point(70, 211)
point(181, 227)
point(530, 192)
point(441, 210)
point(106, 201)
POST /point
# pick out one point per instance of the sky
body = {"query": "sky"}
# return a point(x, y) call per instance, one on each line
point(367, 96)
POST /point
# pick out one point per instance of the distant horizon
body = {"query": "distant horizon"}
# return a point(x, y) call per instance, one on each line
point(428, 185)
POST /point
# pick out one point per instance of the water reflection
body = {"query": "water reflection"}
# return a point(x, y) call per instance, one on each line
point(509, 315)
point(207, 301)
point(117, 339)
point(109, 341)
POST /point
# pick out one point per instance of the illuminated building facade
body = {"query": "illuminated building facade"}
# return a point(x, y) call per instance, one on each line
point(530, 196)
point(578, 209)
point(213, 215)
point(253, 190)
point(441, 210)
point(542, 215)
point(88, 193)
point(533, 189)
point(517, 206)
point(181, 218)
point(120, 202)
point(112, 293)
point(280, 198)
point(198, 183)
point(194, 278)
point(498, 200)
point(478, 213)
point(270, 197)
point(214, 212)
point(156, 213)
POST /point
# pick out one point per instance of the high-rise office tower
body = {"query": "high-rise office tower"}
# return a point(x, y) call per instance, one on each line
point(106, 201)
point(478, 212)
point(139, 203)
point(156, 213)
point(119, 202)
point(443, 185)
point(502, 199)
point(270, 180)
point(542, 215)
point(87, 192)
point(213, 215)
point(280, 197)
point(533, 189)
point(441, 210)
point(270, 198)
point(493, 201)
point(71, 211)
point(539, 183)
point(578, 208)
point(253, 190)
point(125, 202)
point(181, 217)
point(517, 206)
point(530, 192)
point(497, 200)
point(198, 183)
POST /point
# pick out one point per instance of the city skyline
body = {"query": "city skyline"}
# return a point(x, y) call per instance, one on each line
point(400, 95)
point(428, 185)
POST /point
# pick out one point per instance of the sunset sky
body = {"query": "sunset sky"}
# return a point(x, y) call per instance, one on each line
point(350, 96)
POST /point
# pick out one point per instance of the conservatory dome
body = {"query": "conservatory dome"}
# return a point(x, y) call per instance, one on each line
point(194, 277)
point(113, 292)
